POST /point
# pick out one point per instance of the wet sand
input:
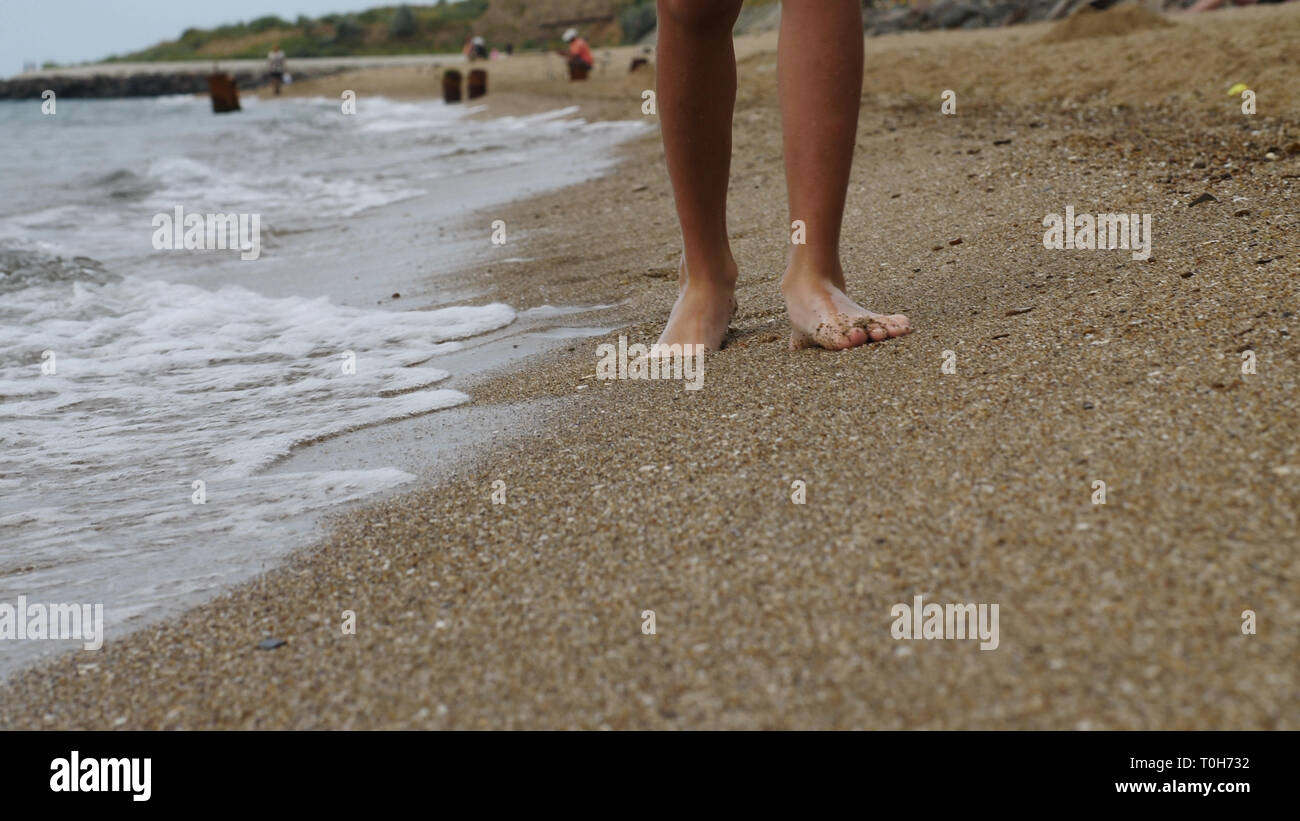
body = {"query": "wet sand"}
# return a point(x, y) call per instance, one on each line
point(1071, 367)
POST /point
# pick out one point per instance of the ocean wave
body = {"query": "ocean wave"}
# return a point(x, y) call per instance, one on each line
point(30, 267)
point(203, 187)
point(120, 393)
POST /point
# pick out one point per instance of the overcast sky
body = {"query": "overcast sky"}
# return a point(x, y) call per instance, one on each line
point(74, 31)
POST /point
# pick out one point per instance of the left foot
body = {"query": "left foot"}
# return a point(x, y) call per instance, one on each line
point(823, 316)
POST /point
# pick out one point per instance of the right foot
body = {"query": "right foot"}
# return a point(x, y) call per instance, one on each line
point(822, 316)
point(705, 306)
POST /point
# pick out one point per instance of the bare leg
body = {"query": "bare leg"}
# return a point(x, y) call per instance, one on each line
point(821, 61)
point(696, 79)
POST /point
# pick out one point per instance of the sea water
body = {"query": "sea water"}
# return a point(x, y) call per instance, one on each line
point(145, 394)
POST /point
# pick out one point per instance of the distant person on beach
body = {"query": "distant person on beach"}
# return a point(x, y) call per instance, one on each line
point(577, 51)
point(275, 67)
point(820, 80)
point(477, 49)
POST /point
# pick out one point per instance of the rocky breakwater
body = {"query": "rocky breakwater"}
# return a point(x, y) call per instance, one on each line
point(136, 84)
point(889, 16)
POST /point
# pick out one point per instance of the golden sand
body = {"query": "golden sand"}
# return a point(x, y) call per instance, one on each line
point(975, 486)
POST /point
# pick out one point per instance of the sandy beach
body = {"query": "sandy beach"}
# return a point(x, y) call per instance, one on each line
point(1071, 367)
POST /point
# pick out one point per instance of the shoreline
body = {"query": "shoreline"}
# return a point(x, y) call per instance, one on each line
point(969, 487)
point(318, 263)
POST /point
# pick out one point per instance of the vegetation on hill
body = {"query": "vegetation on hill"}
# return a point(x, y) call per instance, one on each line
point(415, 29)
point(403, 29)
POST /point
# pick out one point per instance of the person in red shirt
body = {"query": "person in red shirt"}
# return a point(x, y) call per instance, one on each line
point(579, 53)
point(820, 59)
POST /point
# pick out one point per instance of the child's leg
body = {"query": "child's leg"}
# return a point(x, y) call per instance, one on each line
point(696, 79)
point(821, 61)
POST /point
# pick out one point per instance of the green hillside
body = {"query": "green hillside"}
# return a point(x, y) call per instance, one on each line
point(411, 29)
point(415, 29)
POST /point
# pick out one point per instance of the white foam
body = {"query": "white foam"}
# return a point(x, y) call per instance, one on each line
point(185, 180)
point(160, 384)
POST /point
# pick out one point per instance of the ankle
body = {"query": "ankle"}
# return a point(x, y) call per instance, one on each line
point(715, 273)
point(812, 269)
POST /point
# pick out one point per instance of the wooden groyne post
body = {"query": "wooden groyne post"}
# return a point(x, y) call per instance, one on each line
point(224, 92)
point(477, 83)
point(451, 86)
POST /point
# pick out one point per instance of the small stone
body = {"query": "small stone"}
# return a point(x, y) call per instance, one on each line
point(955, 241)
point(1241, 212)
point(1018, 311)
point(1087, 405)
point(397, 296)
point(270, 644)
point(1202, 198)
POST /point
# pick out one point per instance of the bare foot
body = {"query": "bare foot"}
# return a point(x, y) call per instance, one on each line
point(824, 317)
point(705, 306)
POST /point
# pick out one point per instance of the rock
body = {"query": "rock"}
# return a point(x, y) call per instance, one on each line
point(1202, 198)
point(899, 18)
point(956, 16)
point(270, 644)
point(140, 84)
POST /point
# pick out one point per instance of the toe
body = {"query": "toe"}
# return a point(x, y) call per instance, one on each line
point(873, 328)
point(897, 325)
point(841, 335)
point(854, 337)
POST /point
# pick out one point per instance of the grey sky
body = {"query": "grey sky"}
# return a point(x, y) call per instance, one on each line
point(73, 31)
